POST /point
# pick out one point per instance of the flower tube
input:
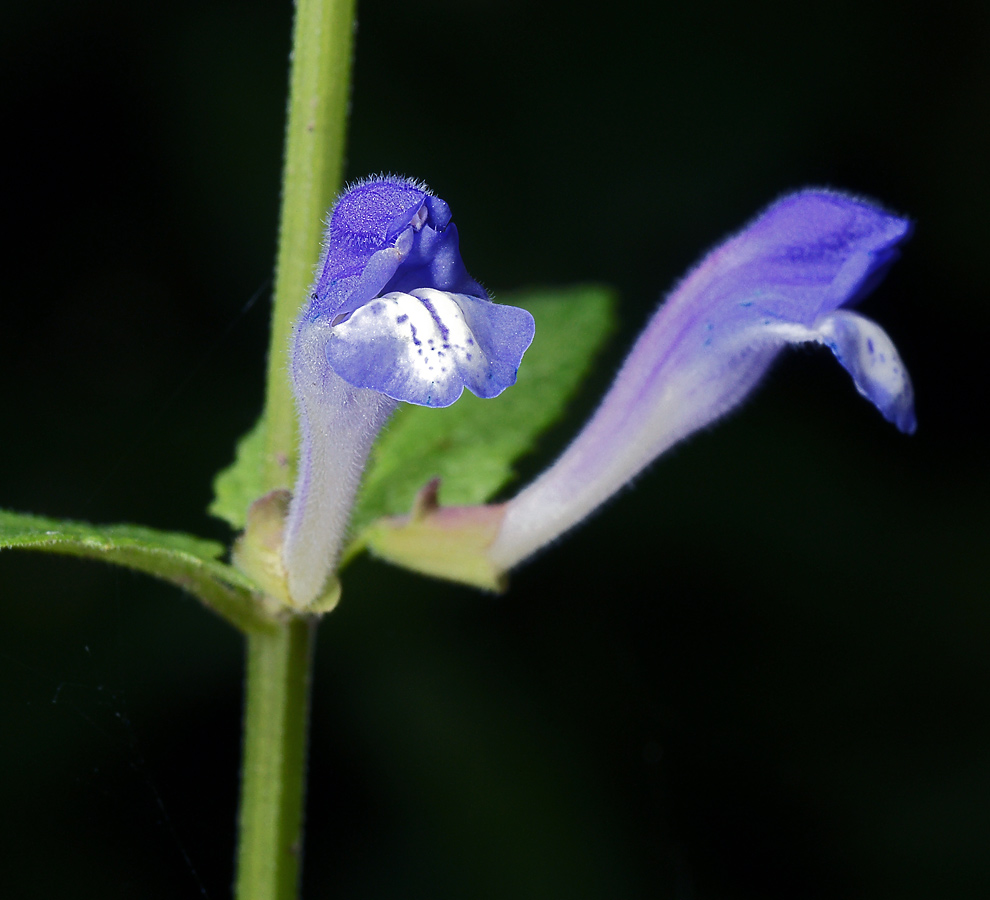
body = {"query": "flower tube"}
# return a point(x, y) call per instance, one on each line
point(393, 315)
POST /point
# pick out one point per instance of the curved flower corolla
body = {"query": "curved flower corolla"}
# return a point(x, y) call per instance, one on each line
point(784, 279)
point(393, 315)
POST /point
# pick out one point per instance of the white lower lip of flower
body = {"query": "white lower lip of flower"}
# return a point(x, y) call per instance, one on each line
point(425, 341)
point(869, 355)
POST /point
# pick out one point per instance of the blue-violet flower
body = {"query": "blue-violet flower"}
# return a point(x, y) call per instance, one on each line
point(393, 315)
point(784, 279)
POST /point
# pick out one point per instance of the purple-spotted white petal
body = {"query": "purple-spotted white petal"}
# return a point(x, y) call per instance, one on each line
point(780, 281)
point(426, 346)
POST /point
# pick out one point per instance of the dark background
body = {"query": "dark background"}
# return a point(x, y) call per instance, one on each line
point(763, 673)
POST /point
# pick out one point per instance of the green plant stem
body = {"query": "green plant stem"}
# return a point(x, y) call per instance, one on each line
point(279, 664)
point(273, 776)
point(314, 163)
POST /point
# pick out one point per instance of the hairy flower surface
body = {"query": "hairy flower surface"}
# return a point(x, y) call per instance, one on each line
point(393, 315)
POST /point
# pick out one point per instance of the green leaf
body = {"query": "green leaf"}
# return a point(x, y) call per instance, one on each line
point(242, 482)
point(471, 445)
point(189, 562)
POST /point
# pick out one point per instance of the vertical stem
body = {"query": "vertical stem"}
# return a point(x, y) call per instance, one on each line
point(269, 856)
point(314, 160)
point(279, 665)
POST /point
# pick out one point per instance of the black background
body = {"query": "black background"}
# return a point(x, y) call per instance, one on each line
point(761, 673)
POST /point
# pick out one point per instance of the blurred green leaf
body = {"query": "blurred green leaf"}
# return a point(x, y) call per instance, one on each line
point(242, 482)
point(472, 445)
point(187, 561)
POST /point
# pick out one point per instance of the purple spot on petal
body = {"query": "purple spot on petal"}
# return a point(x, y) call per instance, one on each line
point(401, 319)
point(869, 344)
point(444, 331)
